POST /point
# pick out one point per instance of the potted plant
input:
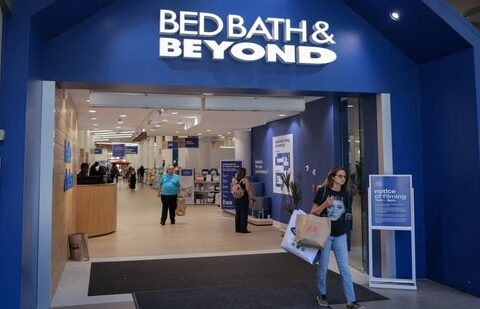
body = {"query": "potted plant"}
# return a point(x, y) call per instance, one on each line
point(294, 193)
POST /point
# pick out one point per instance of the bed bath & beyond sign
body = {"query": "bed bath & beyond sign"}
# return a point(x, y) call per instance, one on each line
point(208, 25)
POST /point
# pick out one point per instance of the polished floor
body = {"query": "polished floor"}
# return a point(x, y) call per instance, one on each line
point(204, 231)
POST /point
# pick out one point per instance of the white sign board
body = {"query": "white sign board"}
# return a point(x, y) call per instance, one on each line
point(282, 161)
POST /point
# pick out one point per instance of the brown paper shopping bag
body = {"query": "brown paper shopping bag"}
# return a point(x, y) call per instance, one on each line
point(312, 231)
point(181, 207)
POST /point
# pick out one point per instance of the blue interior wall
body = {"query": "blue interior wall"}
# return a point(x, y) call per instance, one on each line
point(318, 142)
point(261, 138)
point(450, 154)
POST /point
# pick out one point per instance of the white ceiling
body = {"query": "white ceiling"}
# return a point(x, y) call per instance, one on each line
point(167, 123)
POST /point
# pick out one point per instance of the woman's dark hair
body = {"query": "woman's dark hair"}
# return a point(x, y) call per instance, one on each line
point(242, 172)
point(328, 182)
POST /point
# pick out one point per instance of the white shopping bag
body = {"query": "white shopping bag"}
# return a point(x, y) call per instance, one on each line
point(290, 245)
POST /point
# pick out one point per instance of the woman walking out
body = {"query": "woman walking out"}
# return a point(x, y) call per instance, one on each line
point(334, 201)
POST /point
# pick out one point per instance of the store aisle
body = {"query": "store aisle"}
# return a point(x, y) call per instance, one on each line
point(204, 229)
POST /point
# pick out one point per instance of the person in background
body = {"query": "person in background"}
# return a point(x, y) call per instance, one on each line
point(93, 169)
point(242, 204)
point(83, 170)
point(115, 172)
point(132, 181)
point(168, 190)
point(178, 170)
point(141, 173)
point(333, 200)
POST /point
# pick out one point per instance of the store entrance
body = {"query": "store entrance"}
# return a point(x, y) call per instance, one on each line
point(205, 229)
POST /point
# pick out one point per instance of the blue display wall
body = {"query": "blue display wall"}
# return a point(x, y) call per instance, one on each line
point(105, 43)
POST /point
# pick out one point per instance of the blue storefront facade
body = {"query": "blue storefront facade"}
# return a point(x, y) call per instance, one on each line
point(428, 62)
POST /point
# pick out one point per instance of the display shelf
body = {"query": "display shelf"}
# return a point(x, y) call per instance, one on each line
point(204, 191)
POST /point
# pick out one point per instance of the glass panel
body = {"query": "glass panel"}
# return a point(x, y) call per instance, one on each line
point(355, 159)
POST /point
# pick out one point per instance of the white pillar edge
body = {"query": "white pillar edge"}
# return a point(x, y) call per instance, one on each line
point(45, 196)
point(385, 166)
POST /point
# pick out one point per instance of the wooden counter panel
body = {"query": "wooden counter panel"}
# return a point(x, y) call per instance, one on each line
point(96, 209)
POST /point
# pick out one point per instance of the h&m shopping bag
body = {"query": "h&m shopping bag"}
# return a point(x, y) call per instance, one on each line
point(312, 231)
point(289, 244)
point(181, 207)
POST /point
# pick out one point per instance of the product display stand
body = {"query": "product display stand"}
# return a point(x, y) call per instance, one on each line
point(204, 192)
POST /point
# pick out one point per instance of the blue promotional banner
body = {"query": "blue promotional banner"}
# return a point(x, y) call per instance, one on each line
point(228, 169)
point(390, 201)
point(191, 142)
point(98, 150)
point(172, 145)
point(118, 150)
point(131, 149)
point(67, 152)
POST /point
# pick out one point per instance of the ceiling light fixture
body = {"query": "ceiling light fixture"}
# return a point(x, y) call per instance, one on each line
point(92, 111)
point(123, 116)
point(93, 118)
point(282, 115)
point(395, 15)
point(174, 113)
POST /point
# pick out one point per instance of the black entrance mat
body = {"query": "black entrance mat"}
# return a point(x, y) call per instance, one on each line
point(278, 280)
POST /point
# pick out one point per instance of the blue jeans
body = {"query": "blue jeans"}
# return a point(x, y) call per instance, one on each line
point(339, 246)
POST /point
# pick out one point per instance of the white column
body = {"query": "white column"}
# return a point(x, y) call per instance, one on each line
point(385, 166)
point(204, 146)
point(243, 146)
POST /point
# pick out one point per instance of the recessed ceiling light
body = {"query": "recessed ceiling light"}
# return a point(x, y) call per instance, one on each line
point(350, 105)
point(192, 117)
point(120, 122)
point(229, 132)
point(174, 113)
point(152, 129)
point(95, 124)
point(92, 111)
point(165, 120)
point(208, 130)
point(93, 118)
point(118, 127)
point(199, 133)
point(179, 122)
point(88, 100)
point(177, 132)
point(282, 115)
point(123, 116)
point(395, 15)
point(157, 126)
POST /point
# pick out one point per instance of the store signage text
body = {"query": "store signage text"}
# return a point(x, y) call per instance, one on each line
point(198, 28)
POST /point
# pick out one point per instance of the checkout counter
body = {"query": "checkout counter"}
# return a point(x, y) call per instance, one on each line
point(97, 209)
